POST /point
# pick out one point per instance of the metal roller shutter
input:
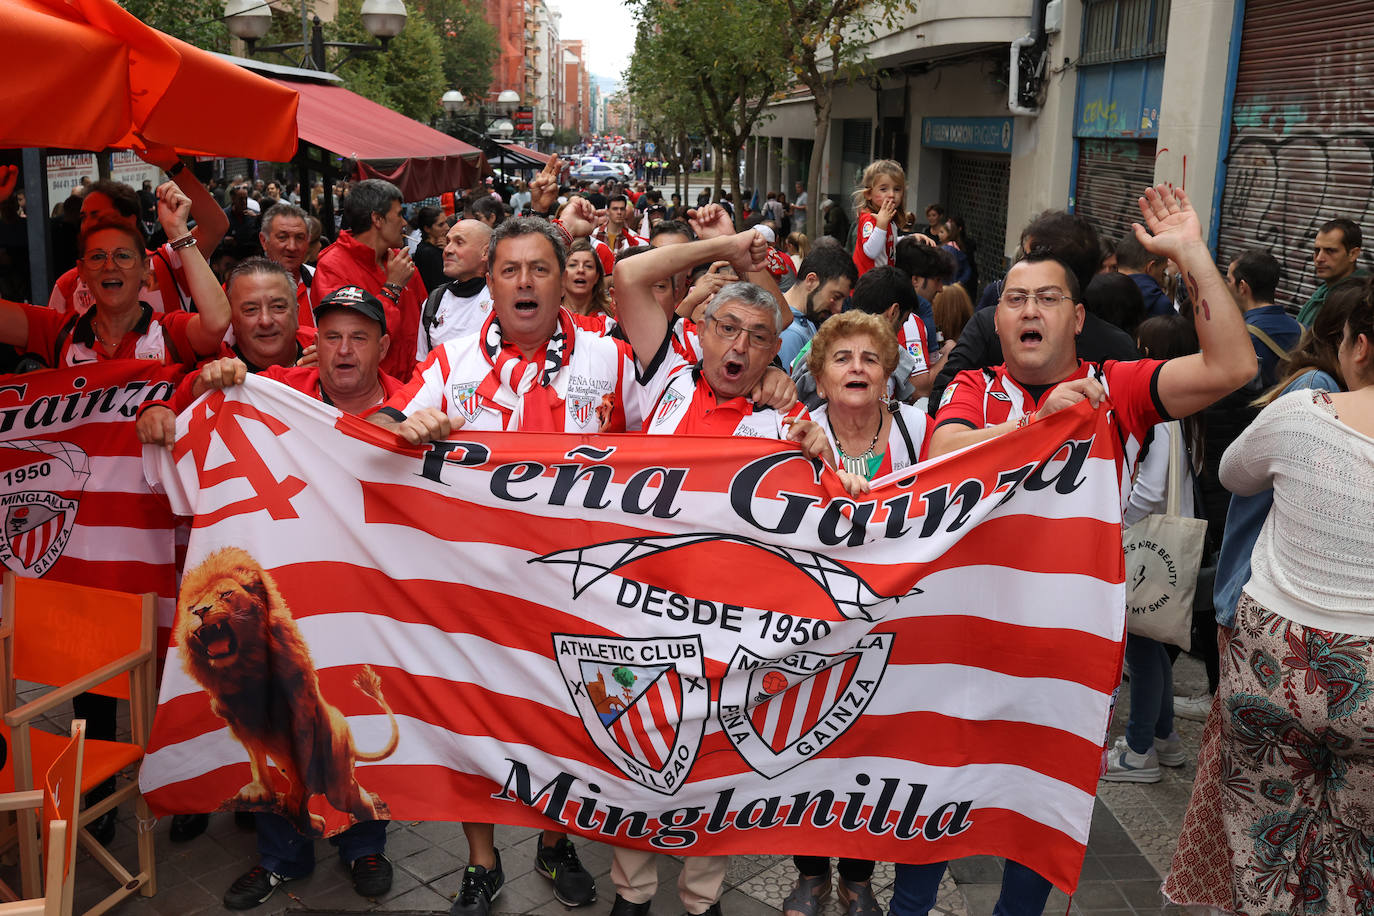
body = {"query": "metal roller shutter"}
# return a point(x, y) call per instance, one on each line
point(1112, 174)
point(975, 189)
point(1302, 134)
point(856, 145)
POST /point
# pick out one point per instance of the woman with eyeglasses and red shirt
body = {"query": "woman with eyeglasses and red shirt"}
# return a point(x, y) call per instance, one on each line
point(113, 263)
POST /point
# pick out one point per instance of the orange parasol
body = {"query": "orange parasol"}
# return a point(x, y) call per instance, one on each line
point(89, 75)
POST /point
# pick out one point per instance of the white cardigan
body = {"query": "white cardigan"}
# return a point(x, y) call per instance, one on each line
point(1314, 561)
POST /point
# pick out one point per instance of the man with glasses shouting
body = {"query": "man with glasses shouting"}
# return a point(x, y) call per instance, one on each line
point(530, 367)
point(718, 396)
point(1037, 318)
point(1039, 314)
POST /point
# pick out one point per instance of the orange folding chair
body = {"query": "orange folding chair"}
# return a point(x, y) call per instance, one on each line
point(76, 639)
point(58, 800)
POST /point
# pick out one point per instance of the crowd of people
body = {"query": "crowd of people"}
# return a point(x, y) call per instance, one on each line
point(865, 348)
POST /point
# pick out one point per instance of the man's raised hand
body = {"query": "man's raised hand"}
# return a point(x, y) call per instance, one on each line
point(710, 221)
point(1172, 223)
point(544, 186)
point(579, 217)
point(749, 253)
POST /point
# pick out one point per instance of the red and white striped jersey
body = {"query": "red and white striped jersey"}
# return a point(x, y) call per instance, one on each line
point(912, 337)
point(979, 398)
point(686, 405)
point(597, 386)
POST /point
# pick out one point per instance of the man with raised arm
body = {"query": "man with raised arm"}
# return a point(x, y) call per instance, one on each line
point(1038, 315)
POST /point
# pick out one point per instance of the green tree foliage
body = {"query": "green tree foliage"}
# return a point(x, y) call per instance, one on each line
point(468, 41)
point(724, 56)
point(669, 114)
point(406, 77)
point(825, 42)
point(197, 22)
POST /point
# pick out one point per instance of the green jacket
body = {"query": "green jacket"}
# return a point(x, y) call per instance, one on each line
point(1308, 313)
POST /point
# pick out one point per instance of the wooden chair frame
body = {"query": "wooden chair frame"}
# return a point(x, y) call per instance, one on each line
point(59, 887)
point(140, 668)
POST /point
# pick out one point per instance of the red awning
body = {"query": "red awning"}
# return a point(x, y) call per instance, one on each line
point(85, 74)
point(523, 156)
point(418, 159)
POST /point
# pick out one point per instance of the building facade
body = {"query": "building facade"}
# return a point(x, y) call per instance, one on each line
point(575, 100)
point(1252, 106)
point(529, 59)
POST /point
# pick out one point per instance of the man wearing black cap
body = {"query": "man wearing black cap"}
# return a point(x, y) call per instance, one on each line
point(351, 343)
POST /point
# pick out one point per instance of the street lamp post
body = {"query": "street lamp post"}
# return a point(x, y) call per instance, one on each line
point(486, 133)
point(546, 132)
point(250, 20)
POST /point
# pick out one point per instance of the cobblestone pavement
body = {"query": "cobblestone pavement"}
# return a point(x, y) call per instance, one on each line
point(1133, 834)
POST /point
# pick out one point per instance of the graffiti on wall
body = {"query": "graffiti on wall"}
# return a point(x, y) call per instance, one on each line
point(1281, 185)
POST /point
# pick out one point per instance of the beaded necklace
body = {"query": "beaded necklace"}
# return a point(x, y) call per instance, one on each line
point(865, 465)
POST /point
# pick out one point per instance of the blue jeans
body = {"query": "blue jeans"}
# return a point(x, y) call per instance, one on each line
point(913, 893)
point(1152, 692)
point(282, 848)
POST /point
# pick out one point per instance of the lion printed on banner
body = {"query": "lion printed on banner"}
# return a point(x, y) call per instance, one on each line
point(239, 641)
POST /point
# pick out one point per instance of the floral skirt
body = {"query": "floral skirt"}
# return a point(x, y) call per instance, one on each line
point(1283, 805)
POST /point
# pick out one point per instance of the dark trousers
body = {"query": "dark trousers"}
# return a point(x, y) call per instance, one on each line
point(284, 850)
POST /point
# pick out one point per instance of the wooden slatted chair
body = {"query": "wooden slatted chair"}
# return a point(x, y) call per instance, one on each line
point(75, 639)
point(58, 800)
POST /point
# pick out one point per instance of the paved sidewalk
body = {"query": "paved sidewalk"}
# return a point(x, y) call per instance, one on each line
point(1133, 834)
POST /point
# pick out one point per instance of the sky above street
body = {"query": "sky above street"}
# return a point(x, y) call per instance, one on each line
point(607, 28)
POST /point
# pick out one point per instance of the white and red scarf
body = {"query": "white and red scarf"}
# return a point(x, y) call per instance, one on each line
point(527, 390)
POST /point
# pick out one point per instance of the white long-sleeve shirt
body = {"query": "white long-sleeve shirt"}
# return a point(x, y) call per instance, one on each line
point(1149, 492)
point(1314, 560)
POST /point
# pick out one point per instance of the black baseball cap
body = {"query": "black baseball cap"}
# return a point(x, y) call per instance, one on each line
point(356, 298)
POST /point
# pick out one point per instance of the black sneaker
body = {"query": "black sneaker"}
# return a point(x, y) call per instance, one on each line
point(371, 875)
point(253, 888)
point(573, 885)
point(480, 887)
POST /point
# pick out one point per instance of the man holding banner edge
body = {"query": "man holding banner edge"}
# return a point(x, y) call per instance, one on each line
point(1038, 316)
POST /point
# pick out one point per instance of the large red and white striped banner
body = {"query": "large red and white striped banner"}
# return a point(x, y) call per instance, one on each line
point(675, 643)
point(73, 499)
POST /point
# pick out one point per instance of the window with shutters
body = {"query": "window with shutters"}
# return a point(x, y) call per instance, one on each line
point(1117, 30)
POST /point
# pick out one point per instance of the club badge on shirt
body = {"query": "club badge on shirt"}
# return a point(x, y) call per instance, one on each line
point(465, 400)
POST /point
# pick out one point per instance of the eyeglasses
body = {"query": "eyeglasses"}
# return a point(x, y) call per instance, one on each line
point(730, 332)
point(123, 258)
point(1049, 298)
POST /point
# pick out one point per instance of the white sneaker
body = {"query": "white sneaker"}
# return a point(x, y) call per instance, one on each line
point(1170, 751)
point(1125, 765)
point(1195, 707)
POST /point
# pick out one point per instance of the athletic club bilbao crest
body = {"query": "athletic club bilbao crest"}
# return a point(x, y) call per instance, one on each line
point(643, 702)
point(38, 517)
point(580, 409)
point(465, 400)
point(780, 713)
point(671, 401)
